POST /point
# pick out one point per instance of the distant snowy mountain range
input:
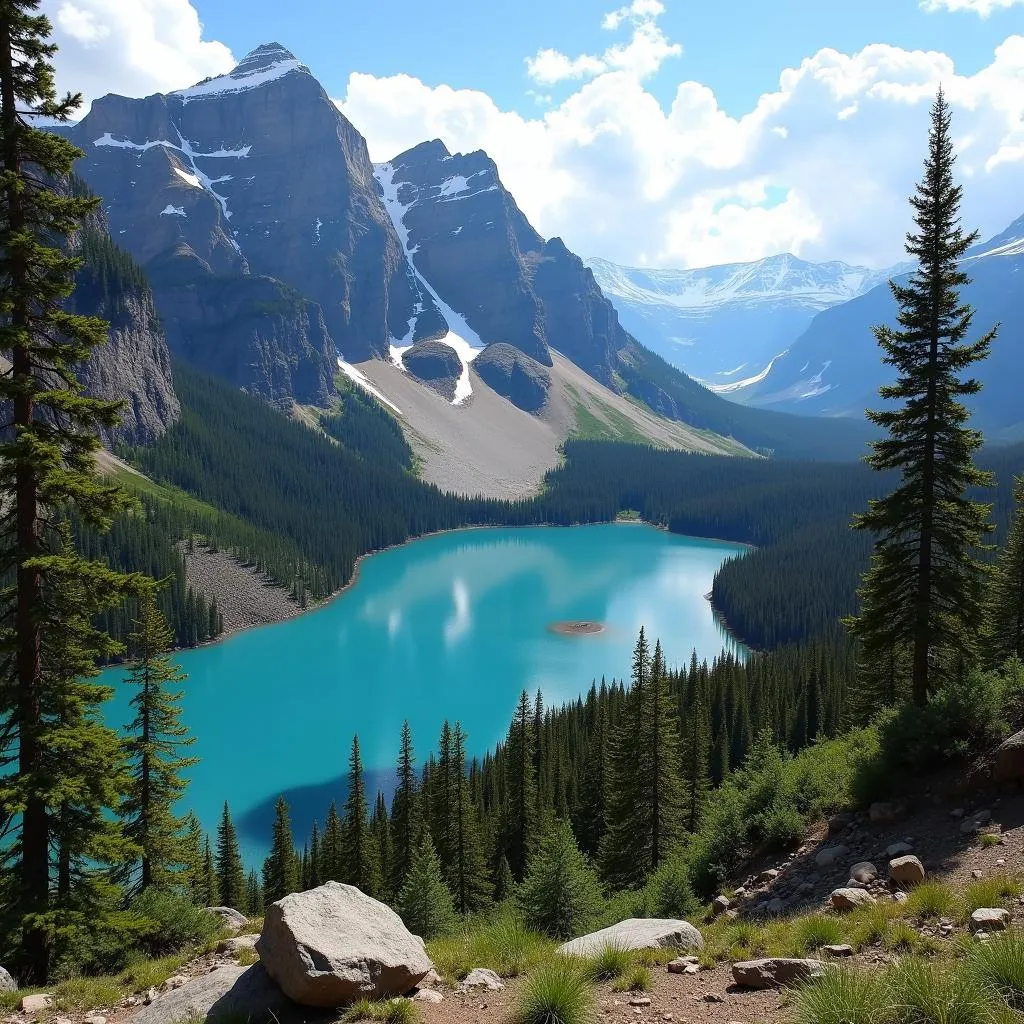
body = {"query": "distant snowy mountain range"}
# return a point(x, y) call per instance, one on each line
point(725, 324)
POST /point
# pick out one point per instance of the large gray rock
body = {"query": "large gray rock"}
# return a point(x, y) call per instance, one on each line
point(830, 855)
point(334, 944)
point(233, 920)
point(990, 919)
point(775, 971)
point(241, 993)
point(7, 982)
point(637, 933)
point(1009, 764)
point(514, 375)
point(850, 899)
point(436, 364)
point(906, 870)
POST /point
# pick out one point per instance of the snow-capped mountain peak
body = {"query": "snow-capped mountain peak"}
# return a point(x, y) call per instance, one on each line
point(266, 63)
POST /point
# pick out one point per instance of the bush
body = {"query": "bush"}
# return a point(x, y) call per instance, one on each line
point(555, 994)
point(669, 891)
point(844, 995)
point(170, 922)
point(560, 892)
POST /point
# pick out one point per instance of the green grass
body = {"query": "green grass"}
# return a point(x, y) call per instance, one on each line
point(386, 1011)
point(991, 892)
point(611, 963)
point(844, 995)
point(931, 993)
point(246, 957)
point(505, 945)
point(902, 937)
point(989, 839)
point(932, 900)
point(78, 994)
point(636, 979)
point(153, 973)
point(869, 925)
point(999, 964)
point(555, 994)
point(811, 933)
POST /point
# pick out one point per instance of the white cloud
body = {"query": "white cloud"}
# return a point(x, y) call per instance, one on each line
point(983, 8)
point(642, 56)
point(132, 47)
point(820, 166)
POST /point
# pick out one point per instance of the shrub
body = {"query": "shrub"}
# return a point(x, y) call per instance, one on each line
point(560, 893)
point(555, 994)
point(170, 922)
point(637, 979)
point(669, 890)
point(989, 839)
point(999, 964)
point(843, 995)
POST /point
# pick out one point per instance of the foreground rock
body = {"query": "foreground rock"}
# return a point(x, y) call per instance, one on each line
point(36, 1003)
point(775, 972)
point(7, 983)
point(906, 870)
point(232, 919)
point(850, 899)
point(1009, 761)
point(636, 933)
point(239, 993)
point(332, 945)
point(990, 919)
point(481, 978)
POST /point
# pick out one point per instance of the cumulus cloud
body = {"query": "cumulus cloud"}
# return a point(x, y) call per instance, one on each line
point(820, 166)
point(133, 47)
point(980, 7)
point(642, 56)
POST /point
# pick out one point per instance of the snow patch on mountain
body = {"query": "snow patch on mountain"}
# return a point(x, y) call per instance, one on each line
point(739, 385)
point(192, 179)
point(265, 64)
point(360, 380)
point(461, 337)
point(175, 211)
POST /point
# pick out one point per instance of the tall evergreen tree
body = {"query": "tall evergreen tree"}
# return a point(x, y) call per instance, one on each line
point(442, 798)
point(230, 872)
point(154, 749)
point(380, 836)
point(281, 868)
point(520, 809)
point(315, 858)
point(924, 590)
point(1005, 628)
point(211, 883)
point(254, 902)
point(46, 465)
point(405, 812)
point(332, 868)
point(358, 855)
point(467, 868)
point(696, 761)
point(425, 902)
point(191, 876)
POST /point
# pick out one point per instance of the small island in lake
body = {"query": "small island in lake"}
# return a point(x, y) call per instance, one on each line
point(576, 627)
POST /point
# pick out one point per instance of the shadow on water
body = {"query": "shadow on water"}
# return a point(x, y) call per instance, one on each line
point(308, 804)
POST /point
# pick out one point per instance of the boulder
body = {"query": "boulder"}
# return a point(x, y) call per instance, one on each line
point(683, 965)
point(768, 876)
point(839, 823)
point(887, 812)
point(775, 971)
point(7, 982)
point(332, 945)
point(864, 871)
point(838, 950)
point(1009, 759)
point(830, 855)
point(232, 919)
point(637, 933)
point(240, 993)
point(236, 943)
point(481, 977)
point(990, 919)
point(906, 870)
point(427, 995)
point(719, 905)
point(850, 899)
point(36, 1003)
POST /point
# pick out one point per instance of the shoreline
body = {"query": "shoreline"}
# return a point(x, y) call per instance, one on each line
point(357, 567)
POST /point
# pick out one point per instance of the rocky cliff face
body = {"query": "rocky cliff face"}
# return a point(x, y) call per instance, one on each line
point(253, 174)
point(134, 367)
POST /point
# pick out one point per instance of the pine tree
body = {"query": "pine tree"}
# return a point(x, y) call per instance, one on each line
point(357, 848)
point(467, 868)
point(230, 872)
point(696, 761)
point(924, 590)
point(254, 903)
point(425, 902)
point(560, 892)
point(191, 879)
point(315, 858)
point(210, 896)
point(281, 868)
point(153, 748)
point(46, 465)
point(442, 798)
point(1005, 627)
point(380, 835)
point(504, 883)
point(331, 867)
point(644, 806)
point(405, 813)
point(520, 810)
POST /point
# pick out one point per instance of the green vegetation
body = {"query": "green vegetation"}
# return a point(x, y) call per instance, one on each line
point(385, 1011)
point(555, 994)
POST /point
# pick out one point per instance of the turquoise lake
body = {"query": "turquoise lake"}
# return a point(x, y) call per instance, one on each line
point(452, 626)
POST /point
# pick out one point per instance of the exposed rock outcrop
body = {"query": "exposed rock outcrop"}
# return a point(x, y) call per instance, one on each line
point(774, 972)
point(236, 993)
point(435, 364)
point(230, 918)
point(514, 375)
point(1009, 760)
point(331, 945)
point(637, 933)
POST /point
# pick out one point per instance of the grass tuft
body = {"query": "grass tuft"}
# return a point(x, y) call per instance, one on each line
point(636, 979)
point(811, 933)
point(999, 964)
point(555, 994)
point(929, 993)
point(609, 964)
point(991, 892)
point(932, 900)
point(385, 1011)
point(989, 839)
point(844, 995)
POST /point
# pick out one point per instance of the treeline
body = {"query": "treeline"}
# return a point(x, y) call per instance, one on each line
point(470, 829)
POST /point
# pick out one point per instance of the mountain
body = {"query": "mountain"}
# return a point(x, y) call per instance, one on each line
point(250, 202)
point(725, 324)
point(833, 368)
point(278, 253)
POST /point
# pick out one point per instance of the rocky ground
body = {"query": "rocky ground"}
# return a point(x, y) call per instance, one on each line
point(244, 596)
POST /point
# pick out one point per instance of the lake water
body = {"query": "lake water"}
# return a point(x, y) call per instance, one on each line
point(452, 626)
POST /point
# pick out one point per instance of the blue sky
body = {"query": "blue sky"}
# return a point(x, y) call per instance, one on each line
point(656, 132)
point(737, 47)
